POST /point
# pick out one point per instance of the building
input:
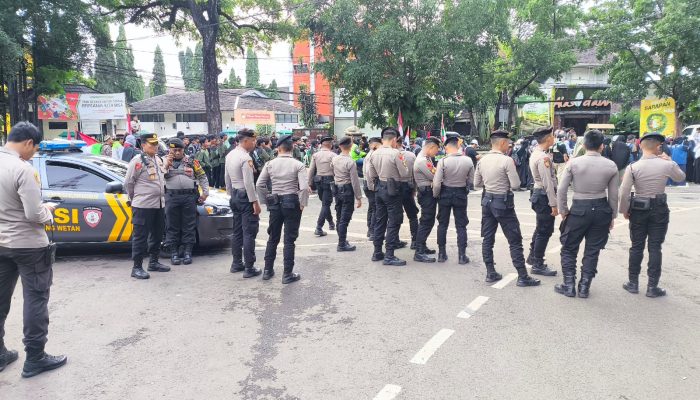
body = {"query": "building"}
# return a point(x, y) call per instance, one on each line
point(240, 108)
point(304, 55)
point(345, 118)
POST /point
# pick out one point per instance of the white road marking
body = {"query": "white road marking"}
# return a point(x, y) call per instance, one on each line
point(388, 392)
point(505, 281)
point(431, 346)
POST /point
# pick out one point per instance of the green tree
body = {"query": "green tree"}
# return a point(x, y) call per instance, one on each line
point(128, 81)
point(272, 90)
point(649, 45)
point(196, 71)
point(226, 24)
point(233, 81)
point(252, 72)
point(105, 68)
point(307, 100)
point(158, 82)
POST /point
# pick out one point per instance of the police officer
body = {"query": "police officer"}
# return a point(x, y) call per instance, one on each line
point(408, 195)
point(240, 185)
point(453, 175)
point(374, 144)
point(423, 174)
point(348, 194)
point(543, 200)
point(183, 179)
point(647, 210)
point(25, 250)
point(320, 178)
point(289, 196)
point(387, 166)
point(496, 173)
point(592, 213)
point(145, 185)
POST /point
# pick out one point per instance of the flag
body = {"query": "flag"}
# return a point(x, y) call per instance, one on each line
point(87, 139)
point(443, 132)
point(399, 122)
point(407, 138)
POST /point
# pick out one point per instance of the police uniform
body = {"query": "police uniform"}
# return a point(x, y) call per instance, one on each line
point(590, 216)
point(290, 192)
point(453, 175)
point(387, 167)
point(543, 198)
point(408, 199)
point(423, 175)
point(320, 178)
point(145, 185)
point(347, 184)
point(183, 178)
point(497, 174)
point(648, 214)
point(24, 252)
point(240, 185)
point(369, 193)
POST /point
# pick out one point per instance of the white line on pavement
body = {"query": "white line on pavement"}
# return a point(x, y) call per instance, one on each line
point(388, 392)
point(473, 307)
point(505, 281)
point(431, 347)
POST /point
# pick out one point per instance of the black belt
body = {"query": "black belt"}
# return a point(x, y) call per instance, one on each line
point(495, 196)
point(539, 192)
point(455, 188)
point(288, 196)
point(591, 202)
point(425, 189)
point(658, 199)
point(181, 191)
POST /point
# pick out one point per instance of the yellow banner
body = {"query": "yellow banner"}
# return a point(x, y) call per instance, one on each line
point(658, 115)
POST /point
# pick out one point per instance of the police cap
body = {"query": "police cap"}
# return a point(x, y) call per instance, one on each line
point(500, 134)
point(176, 143)
point(345, 141)
point(374, 140)
point(246, 133)
point(433, 140)
point(542, 131)
point(452, 138)
point(283, 139)
point(151, 138)
point(327, 139)
point(653, 135)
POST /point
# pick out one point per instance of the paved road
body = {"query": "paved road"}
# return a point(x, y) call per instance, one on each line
point(353, 329)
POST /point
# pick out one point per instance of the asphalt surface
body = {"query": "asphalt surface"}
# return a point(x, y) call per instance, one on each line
point(354, 329)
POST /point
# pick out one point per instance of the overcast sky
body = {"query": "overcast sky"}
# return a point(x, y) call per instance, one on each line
point(276, 65)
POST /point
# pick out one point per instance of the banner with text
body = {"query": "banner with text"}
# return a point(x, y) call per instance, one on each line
point(95, 106)
point(658, 115)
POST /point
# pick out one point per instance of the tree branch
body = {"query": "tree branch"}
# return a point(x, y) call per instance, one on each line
point(230, 19)
point(641, 67)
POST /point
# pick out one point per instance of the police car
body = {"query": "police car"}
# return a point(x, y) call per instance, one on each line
point(93, 203)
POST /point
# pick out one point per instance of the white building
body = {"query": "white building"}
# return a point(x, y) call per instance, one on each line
point(344, 118)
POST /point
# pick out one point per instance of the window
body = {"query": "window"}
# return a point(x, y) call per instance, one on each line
point(151, 117)
point(58, 125)
point(191, 117)
point(73, 177)
point(286, 118)
point(301, 68)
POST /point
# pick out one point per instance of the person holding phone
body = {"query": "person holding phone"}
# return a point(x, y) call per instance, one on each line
point(25, 250)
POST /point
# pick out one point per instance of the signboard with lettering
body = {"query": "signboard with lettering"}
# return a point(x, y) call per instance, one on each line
point(253, 117)
point(95, 106)
point(568, 99)
point(658, 115)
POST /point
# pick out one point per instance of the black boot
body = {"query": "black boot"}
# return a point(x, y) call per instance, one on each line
point(427, 250)
point(413, 245)
point(525, 280)
point(138, 272)
point(187, 255)
point(289, 276)
point(442, 254)
point(530, 260)
point(584, 286)
point(237, 266)
point(402, 244)
point(632, 285)
point(543, 269)
point(175, 256)
point(320, 232)
point(251, 272)
point(155, 266)
point(421, 256)
point(491, 274)
point(345, 246)
point(568, 288)
point(463, 259)
point(269, 271)
point(7, 357)
point(653, 289)
point(391, 259)
point(378, 255)
point(41, 362)
point(331, 226)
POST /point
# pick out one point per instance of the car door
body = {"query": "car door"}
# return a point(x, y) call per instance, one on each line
point(84, 213)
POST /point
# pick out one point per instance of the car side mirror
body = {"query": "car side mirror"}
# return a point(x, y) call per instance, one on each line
point(114, 187)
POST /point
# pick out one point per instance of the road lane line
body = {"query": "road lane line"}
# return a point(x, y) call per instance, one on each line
point(473, 307)
point(431, 346)
point(505, 281)
point(388, 392)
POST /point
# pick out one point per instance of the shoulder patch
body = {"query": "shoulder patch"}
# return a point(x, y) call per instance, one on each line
point(36, 178)
point(250, 164)
point(547, 162)
point(138, 166)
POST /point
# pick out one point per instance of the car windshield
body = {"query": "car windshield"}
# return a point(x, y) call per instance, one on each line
point(115, 166)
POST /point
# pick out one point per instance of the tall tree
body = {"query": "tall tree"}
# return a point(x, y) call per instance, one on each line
point(252, 72)
point(229, 24)
point(650, 45)
point(196, 70)
point(272, 90)
point(105, 68)
point(307, 100)
point(158, 82)
point(233, 81)
point(128, 81)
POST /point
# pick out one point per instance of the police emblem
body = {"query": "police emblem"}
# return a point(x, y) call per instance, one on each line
point(92, 216)
point(250, 164)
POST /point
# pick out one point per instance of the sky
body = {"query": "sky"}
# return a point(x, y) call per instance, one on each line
point(143, 40)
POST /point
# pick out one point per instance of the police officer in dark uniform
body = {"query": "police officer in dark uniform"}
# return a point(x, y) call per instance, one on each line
point(145, 186)
point(423, 174)
point(240, 185)
point(543, 199)
point(496, 173)
point(347, 188)
point(647, 210)
point(286, 201)
point(592, 212)
point(386, 169)
point(320, 179)
point(184, 177)
point(453, 176)
point(25, 250)
point(374, 144)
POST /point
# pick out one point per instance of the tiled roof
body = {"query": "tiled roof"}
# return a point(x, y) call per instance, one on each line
point(193, 102)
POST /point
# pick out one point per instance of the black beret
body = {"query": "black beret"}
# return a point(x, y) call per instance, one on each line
point(346, 141)
point(149, 137)
point(542, 131)
point(327, 138)
point(434, 140)
point(374, 140)
point(500, 133)
point(284, 138)
point(653, 135)
point(246, 133)
point(389, 132)
point(176, 143)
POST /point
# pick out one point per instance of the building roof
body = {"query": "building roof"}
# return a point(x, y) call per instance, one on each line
point(588, 57)
point(193, 102)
